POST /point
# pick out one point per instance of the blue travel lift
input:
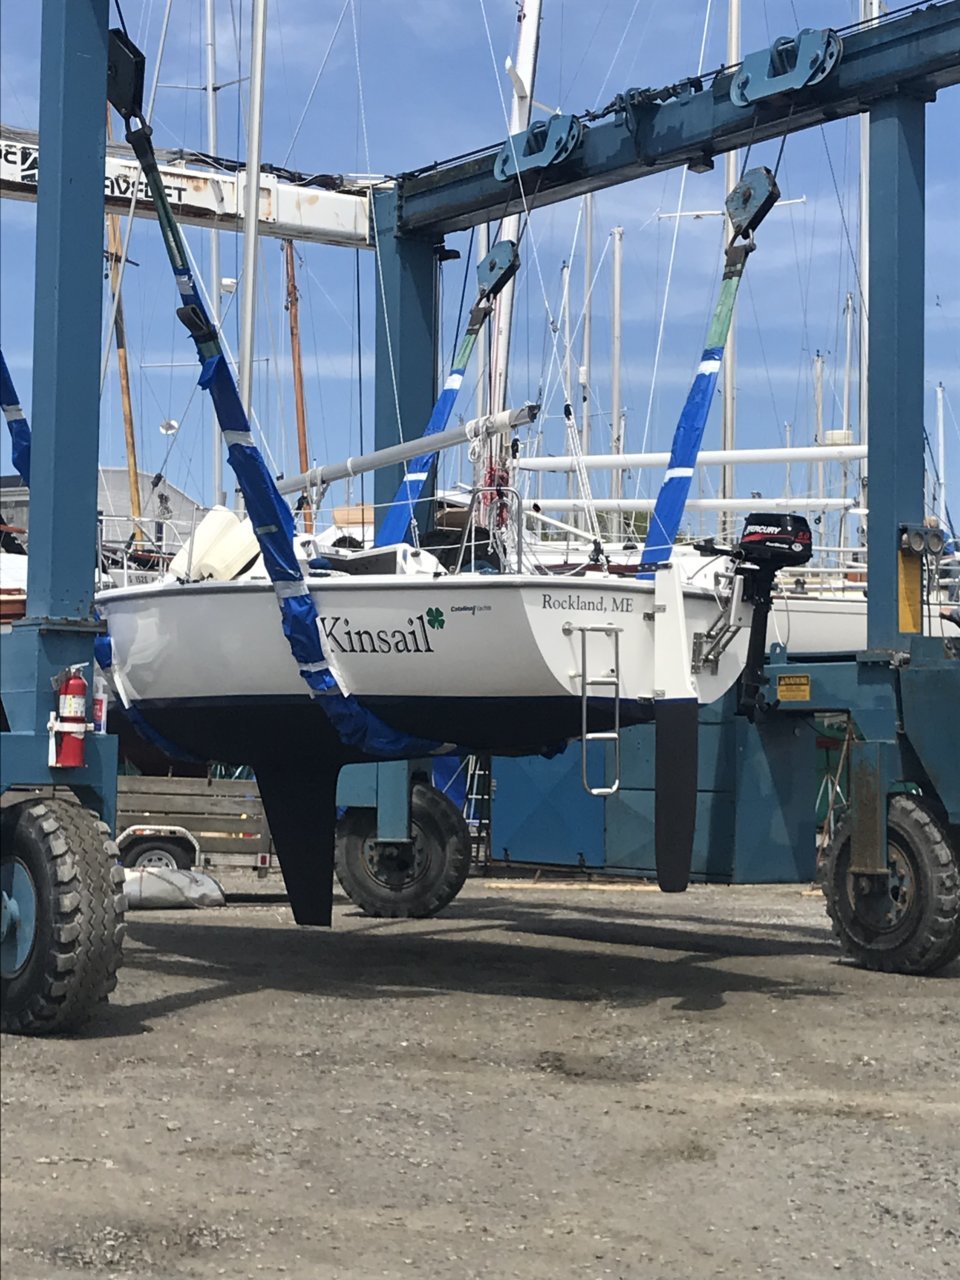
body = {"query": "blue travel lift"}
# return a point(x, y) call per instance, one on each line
point(891, 876)
point(892, 882)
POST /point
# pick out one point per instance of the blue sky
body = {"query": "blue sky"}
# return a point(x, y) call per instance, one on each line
point(431, 89)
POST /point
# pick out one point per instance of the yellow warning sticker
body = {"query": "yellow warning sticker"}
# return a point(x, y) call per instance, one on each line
point(793, 688)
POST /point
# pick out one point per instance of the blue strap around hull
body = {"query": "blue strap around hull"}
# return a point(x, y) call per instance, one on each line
point(671, 500)
point(19, 428)
point(396, 523)
point(274, 527)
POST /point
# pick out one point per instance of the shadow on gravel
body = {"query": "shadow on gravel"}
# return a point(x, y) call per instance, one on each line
point(478, 948)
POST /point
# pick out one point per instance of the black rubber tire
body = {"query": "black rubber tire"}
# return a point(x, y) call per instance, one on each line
point(78, 942)
point(927, 935)
point(442, 859)
point(143, 854)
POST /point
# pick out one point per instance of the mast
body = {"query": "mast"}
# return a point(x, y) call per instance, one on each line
point(787, 439)
point(941, 506)
point(616, 409)
point(847, 428)
point(522, 73)
point(586, 351)
point(293, 311)
point(567, 359)
point(119, 330)
point(210, 91)
point(251, 206)
point(483, 338)
point(818, 402)
point(731, 164)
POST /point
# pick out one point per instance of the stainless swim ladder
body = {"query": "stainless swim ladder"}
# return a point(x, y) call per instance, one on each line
point(588, 683)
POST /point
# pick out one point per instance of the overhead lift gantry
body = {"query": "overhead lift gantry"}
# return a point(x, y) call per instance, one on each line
point(894, 888)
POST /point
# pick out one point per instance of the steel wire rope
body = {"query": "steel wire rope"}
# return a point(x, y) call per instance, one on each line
point(254, 419)
point(125, 250)
point(673, 253)
point(316, 82)
point(107, 330)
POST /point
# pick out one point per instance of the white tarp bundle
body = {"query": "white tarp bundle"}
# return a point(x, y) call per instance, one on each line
point(149, 887)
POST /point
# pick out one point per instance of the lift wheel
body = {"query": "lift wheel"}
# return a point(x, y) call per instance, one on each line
point(62, 916)
point(909, 920)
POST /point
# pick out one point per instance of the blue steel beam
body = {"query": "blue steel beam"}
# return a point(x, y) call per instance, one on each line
point(918, 53)
point(58, 629)
point(895, 388)
point(66, 325)
point(406, 360)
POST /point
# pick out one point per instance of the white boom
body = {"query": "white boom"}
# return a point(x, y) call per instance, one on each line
point(205, 193)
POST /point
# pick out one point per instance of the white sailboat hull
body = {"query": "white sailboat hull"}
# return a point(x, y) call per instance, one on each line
point(486, 661)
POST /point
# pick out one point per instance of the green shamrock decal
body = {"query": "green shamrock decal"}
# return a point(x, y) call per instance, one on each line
point(435, 619)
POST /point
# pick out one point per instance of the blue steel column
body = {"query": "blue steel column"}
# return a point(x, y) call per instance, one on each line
point(895, 463)
point(65, 413)
point(407, 312)
point(69, 283)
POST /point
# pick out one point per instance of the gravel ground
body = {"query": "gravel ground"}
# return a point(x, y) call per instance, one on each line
point(545, 1082)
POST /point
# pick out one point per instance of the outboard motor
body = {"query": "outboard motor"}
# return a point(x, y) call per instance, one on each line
point(770, 541)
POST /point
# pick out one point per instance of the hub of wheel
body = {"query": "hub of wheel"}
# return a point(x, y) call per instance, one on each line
point(19, 922)
point(395, 863)
point(883, 902)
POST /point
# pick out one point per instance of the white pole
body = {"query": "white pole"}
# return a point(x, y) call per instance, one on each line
point(705, 458)
point(848, 430)
point(778, 503)
point(483, 340)
point(818, 402)
point(941, 460)
point(251, 207)
point(567, 346)
point(787, 433)
point(587, 350)
point(523, 75)
point(477, 429)
point(212, 148)
point(567, 355)
point(616, 408)
point(731, 165)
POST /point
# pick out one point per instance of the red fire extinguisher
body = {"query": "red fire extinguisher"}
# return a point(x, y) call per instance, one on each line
point(72, 719)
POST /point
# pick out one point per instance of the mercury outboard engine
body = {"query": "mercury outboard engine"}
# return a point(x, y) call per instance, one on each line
point(770, 541)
